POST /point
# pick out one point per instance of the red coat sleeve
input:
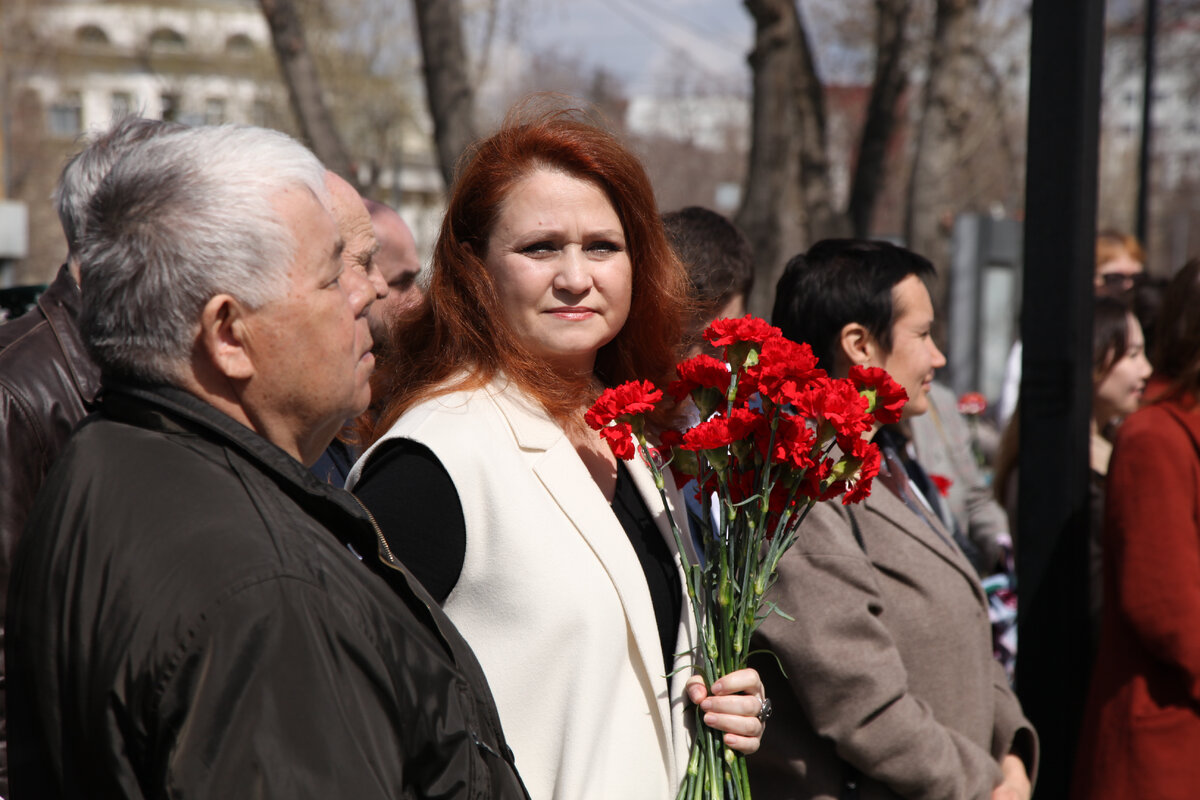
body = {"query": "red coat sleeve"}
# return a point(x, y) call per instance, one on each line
point(1152, 538)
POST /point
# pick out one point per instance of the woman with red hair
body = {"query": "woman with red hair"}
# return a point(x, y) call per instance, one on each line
point(552, 279)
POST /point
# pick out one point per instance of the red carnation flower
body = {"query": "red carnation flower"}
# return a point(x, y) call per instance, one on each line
point(619, 436)
point(793, 444)
point(972, 404)
point(700, 372)
point(618, 409)
point(784, 368)
point(865, 460)
point(942, 483)
point(711, 434)
point(745, 422)
point(812, 484)
point(837, 402)
point(885, 397)
point(726, 332)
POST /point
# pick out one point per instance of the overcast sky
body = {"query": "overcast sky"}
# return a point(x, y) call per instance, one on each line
point(645, 43)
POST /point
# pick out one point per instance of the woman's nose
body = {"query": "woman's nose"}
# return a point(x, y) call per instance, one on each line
point(574, 272)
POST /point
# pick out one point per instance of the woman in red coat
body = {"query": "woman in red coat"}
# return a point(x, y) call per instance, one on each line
point(1141, 732)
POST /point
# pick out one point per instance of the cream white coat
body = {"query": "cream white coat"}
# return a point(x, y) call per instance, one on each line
point(554, 602)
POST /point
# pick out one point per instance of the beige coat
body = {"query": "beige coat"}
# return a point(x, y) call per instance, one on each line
point(554, 602)
point(889, 665)
point(942, 441)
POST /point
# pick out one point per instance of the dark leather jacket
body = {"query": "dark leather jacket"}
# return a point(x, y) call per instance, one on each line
point(47, 385)
point(193, 614)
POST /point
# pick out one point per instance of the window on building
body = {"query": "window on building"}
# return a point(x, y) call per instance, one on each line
point(239, 45)
point(170, 107)
point(167, 40)
point(91, 36)
point(214, 111)
point(122, 104)
point(66, 115)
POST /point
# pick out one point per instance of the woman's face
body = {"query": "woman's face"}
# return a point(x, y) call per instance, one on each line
point(558, 256)
point(1118, 274)
point(1119, 390)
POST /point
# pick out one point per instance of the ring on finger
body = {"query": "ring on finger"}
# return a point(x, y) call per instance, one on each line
point(764, 710)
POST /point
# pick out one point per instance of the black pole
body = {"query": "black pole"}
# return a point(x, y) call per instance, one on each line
point(1149, 51)
point(1053, 662)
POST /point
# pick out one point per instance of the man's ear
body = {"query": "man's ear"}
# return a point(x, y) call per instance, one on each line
point(224, 337)
point(856, 345)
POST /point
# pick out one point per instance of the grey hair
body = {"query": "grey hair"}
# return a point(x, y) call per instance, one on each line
point(83, 173)
point(176, 222)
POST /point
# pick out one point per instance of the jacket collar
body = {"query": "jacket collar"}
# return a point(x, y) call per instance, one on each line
point(531, 426)
point(60, 303)
point(1182, 406)
point(173, 410)
point(884, 503)
point(560, 470)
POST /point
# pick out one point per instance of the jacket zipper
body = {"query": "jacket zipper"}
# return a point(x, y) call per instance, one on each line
point(380, 539)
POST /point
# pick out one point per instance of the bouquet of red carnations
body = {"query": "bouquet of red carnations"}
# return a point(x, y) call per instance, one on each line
point(774, 436)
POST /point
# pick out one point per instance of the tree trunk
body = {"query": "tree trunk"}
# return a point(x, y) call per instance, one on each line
point(447, 80)
point(787, 202)
point(891, 79)
point(951, 84)
point(304, 87)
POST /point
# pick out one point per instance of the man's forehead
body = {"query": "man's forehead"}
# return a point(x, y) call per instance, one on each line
point(348, 210)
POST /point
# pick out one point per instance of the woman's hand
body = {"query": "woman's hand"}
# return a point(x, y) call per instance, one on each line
point(734, 706)
point(1015, 784)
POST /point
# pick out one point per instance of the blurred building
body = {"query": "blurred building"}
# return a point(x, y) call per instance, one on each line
point(71, 66)
point(1175, 137)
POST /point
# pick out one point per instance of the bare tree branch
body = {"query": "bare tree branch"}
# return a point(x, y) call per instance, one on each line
point(304, 86)
point(890, 82)
point(448, 85)
point(787, 201)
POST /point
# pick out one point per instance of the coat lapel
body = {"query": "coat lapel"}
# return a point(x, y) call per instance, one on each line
point(556, 464)
point(883, 502)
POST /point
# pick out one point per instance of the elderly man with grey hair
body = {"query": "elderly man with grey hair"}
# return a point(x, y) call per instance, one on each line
point(192, 614)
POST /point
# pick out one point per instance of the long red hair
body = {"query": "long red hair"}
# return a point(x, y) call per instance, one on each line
point(459, 338)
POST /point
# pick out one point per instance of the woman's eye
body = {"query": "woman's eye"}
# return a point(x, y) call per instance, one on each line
point(604, 247)
point(538, 247)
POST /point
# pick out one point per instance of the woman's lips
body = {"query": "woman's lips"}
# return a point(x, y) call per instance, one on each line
point(571, 312)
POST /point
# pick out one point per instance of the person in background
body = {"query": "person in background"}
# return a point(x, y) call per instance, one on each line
point(192, 614)
point(1119, 373)
point(719, 264)
point(884, 684)
point(720, 270)
point(941, 441)
point(360, 253)
point(1120, 272)
point(398, 262)
point(1141, 729)
point(48, 382)
point(551, 279)
point(1120, 263)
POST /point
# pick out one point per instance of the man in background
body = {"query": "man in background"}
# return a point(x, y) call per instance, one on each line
point(399, 264)
point(48, 382)
point(719, 263)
